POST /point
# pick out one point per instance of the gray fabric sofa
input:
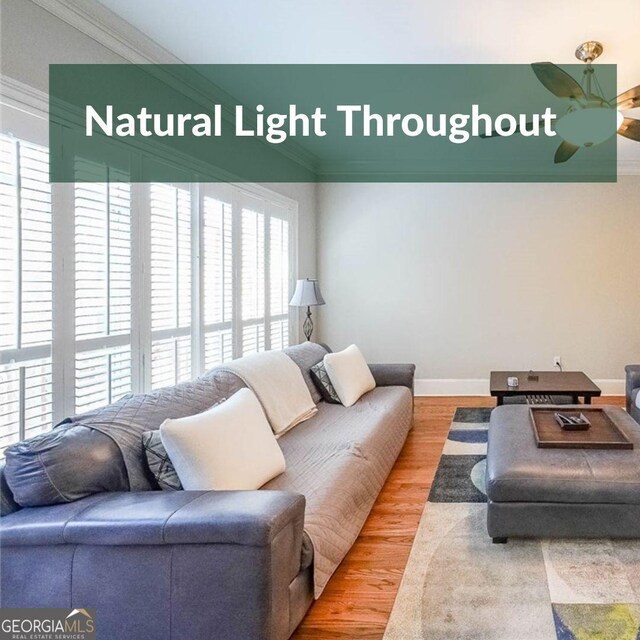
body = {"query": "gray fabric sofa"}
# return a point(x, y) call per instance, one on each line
point(169, 565)
point(633, 390)
point(559, 493)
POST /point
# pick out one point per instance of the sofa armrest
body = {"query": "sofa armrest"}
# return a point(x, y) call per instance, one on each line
point(393, 375)
point(633, 381)
point(159, 517)
point(160, 564)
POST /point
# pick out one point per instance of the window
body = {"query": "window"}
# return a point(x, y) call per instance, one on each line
point(26, 327)
point(108, 287)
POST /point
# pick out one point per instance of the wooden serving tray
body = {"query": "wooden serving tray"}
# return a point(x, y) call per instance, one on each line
point(603, 434)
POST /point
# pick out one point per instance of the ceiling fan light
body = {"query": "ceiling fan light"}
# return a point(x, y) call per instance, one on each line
point(588, 126)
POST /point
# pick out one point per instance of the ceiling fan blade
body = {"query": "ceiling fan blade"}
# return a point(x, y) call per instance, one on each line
point(564, 152)
point(630, 128)
point(629, 99)
point(559, 82)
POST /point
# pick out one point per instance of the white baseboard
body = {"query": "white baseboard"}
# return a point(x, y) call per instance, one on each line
point(480, 387)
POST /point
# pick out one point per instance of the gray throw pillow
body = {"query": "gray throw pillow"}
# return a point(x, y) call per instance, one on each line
point(159, 463)
point(320, 378)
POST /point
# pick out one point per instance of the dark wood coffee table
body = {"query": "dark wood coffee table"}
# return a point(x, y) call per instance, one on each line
point(550, 383)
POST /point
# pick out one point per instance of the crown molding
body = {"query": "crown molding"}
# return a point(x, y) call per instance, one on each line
point(21, 96)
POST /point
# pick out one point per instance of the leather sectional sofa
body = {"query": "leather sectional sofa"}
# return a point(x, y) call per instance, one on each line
point(171, 565)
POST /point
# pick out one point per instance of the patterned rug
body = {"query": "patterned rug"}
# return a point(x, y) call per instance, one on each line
point(458, 585)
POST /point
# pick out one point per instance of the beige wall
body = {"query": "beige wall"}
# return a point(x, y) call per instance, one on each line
point(464, 278)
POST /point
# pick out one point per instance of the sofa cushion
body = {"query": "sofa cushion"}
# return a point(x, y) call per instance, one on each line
point(63, 465)
point(321, 379)
point(518, 471)
point(228, 447)
point(305, 355)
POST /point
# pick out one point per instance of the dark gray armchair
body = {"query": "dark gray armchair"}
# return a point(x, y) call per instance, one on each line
point(633, 389)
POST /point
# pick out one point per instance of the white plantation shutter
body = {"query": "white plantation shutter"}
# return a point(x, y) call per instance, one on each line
point(30, 207)
point(266, 276)
point(25, 290)
point(25, 400)
point(170, 228)
point(279, 282)
point(170, 361)
point(102, 286)
point(9, 244)
point(252, 264)
point(102, 376)
point(217, 272)
point(252, 281)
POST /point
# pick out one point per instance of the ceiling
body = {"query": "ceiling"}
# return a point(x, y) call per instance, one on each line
point(392, 31)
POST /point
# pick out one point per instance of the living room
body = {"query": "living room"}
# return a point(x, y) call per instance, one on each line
point(285, 375)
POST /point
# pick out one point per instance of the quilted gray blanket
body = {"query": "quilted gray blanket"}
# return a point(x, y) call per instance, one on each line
point(339, 460)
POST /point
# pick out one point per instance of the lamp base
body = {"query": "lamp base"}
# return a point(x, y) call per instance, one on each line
point(307, 327)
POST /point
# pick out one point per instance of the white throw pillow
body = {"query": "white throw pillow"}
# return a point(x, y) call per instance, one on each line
point(349, 374)
point(230, 446)
point(638, 401)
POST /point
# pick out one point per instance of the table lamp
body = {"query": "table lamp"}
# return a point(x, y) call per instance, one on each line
point(307, 294)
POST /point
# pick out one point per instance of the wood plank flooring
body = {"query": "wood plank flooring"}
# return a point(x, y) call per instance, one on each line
point(357, 601)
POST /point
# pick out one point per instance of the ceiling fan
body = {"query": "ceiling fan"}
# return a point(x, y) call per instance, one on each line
point(587, 104)
point(588, 118)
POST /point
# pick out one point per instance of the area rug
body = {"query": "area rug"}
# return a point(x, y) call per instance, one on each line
point(458, 585)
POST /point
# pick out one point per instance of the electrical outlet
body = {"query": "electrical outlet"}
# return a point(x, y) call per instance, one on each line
point(557, 362)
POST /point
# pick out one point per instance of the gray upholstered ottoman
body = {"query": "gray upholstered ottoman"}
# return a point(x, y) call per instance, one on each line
point(563, 493)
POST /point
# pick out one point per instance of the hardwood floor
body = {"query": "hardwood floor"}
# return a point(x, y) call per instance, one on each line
point(357, 601)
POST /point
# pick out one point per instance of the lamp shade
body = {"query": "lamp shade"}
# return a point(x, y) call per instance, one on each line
point(307, 294)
